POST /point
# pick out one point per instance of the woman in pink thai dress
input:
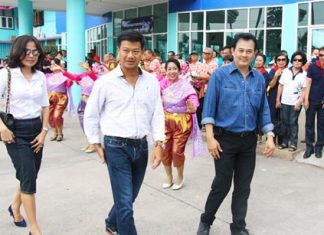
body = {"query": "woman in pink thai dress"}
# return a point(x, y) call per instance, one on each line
point(180, 102)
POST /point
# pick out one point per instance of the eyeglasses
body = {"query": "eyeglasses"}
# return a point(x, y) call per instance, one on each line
point(298, 60)
point(281, 60)
point(321, 55)
point(29, 52)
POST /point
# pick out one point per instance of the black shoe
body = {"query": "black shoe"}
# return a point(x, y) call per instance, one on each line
point(308, 153)
point(242, 232)
point(318, 154)
point(203, 229)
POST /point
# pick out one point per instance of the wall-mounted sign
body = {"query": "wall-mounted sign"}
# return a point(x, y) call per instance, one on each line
point(142, 24)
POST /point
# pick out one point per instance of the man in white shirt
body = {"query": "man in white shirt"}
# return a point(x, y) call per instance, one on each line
point(126, 106)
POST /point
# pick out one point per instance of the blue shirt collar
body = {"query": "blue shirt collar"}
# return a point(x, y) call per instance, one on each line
point(232, 67)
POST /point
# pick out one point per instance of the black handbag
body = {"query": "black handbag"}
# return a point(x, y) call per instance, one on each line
point(6, 117)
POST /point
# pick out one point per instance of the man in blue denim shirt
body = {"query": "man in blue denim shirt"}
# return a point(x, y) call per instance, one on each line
point(235, 104)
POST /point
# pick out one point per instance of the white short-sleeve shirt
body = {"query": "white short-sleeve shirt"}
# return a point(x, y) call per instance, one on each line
point(27, 98)
point(292, 86)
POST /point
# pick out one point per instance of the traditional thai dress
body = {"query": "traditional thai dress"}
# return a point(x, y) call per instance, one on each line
point(58, 87)
point(85, 81)
point(179, 124)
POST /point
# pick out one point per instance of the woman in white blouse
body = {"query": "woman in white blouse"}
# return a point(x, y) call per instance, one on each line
point(29, 105)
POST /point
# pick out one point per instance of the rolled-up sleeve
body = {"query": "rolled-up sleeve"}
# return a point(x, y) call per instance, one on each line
point(157, 123)
point(264, 115)
point(210, 101)
point(92, 112)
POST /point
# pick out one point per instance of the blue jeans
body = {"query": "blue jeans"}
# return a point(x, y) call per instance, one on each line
point(126, 166)
point(290, 119)
point(312, 111)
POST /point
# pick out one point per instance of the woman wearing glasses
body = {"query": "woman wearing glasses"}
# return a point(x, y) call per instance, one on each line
point(29, 105)
point(281, 61)
point(290, 97)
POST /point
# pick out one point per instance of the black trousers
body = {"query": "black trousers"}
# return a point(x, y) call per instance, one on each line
point(237, 161)
point(199, 111)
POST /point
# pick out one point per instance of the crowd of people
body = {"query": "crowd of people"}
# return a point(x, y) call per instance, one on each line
point(235, 98)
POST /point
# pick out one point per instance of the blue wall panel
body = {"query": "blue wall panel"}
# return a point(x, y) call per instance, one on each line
point(192, 5)
point(91, 21)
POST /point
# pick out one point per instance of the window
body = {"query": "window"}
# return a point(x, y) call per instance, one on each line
point(259, 35)
point(38, 18)
point(160, 18)
point(8, 13)
point(183, 43)
point(118, 17)
point(197, 21)
point(215, 20)
point(303, 14)
point(237, 19)
point(6, 22)
point(274, 16)
point(215, 40)
point(257, 18)
point(273, 42)
point(131, 13)
point(318, 16)
point(183, 20)
point(302, 39)
point(145, 11)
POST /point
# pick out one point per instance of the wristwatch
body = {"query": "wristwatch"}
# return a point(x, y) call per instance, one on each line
point(45, 129)
point(270, 133)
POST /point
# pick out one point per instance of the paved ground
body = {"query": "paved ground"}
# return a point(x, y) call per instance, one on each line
point(74, 195)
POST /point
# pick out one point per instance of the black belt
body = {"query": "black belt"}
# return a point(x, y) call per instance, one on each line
point(218, 131)
point(133, 142)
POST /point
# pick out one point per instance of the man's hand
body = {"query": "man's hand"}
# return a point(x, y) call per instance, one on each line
point(269, 147)
point(214, 147)
point(101, 153)
point(278, 104)
point(157, 156)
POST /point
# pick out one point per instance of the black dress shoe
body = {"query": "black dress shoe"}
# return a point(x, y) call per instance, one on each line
point(318, 154)
point(203, 229)
point(242, 232)
point(308, 153)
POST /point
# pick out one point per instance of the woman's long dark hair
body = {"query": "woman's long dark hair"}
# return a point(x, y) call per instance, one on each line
point(18, 52)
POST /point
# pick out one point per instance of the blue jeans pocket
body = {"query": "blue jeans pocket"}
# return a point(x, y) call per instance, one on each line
point(110, 142)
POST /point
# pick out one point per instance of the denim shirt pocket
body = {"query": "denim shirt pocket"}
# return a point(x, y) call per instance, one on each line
point(255, 98)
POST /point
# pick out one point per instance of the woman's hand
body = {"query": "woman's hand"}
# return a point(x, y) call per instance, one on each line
point(7, 136)
point(190, 107)
point(38, 142)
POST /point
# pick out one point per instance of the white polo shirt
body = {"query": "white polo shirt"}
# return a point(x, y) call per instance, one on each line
point(27, 97)
point(292, 86)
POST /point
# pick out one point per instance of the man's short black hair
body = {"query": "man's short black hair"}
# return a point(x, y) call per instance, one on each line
point(132, 36)
point(171, 52)
point(245, 37)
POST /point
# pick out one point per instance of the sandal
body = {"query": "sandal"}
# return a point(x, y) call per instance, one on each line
point(53, 138)
point(59, 137)
point(292, 148)
point(283, 146)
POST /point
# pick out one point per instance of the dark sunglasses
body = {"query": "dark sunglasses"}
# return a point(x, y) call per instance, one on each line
point(29, 52)
point(321, 55)
point(281, 59)
point(298, 60)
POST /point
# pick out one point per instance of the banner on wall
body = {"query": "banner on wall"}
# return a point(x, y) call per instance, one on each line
point(142, 24)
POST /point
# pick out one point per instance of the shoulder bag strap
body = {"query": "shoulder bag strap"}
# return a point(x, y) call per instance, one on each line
point(8, 90)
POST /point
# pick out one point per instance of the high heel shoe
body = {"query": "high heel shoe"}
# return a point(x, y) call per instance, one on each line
point(19, 223)
point(59, 137)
